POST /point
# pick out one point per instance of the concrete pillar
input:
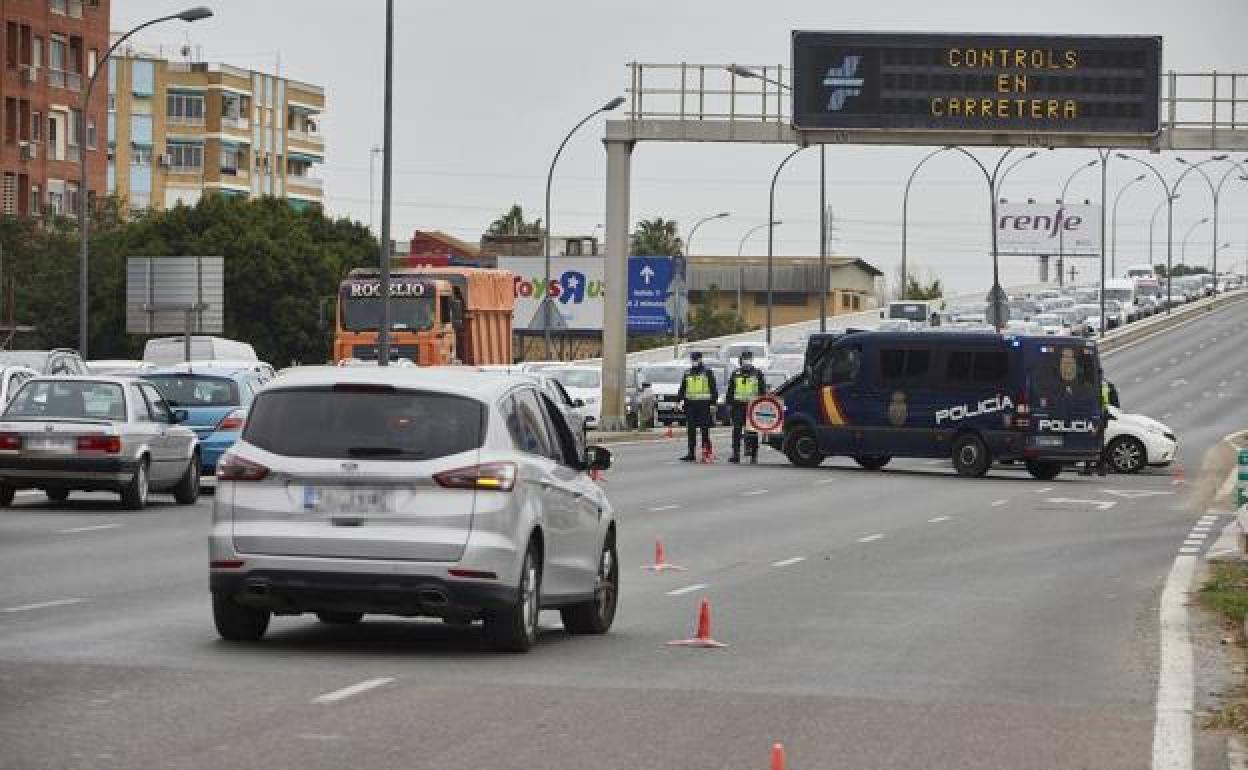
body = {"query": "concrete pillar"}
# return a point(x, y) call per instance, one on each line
point(615, 310)
point(1043, 264)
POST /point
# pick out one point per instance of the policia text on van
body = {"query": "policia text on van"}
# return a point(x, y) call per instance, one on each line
point(976, 398)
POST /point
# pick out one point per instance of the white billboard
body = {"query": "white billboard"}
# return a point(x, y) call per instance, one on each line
point(160, 291)
point(576, 292)
point(1049, 229)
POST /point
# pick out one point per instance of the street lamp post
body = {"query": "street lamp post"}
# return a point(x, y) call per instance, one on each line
point(741, 267)
point(992, 178)
point(191, 14)
point(905, 215)
point(771, 216)
point(387, 156)
point(1188, 235)
point(1114, 228)
point(544, 307)
point(373, 152)
point(1170, 197)
point(1061, 231)
point(676, 322)
point(1216, 192)
point(1152, 222)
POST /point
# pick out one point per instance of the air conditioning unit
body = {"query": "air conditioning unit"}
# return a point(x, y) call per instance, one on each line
point(29, 74)
point(30, 151)
point(166, 160)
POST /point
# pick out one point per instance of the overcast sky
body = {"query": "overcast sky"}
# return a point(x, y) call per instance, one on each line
point(484, 91)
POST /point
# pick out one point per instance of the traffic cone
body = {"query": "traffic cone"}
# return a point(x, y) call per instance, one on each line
point(777, 756)
point(660, 560)
point(708, 456)
point(668, 433)
point(1179, 475)
point(595, 474)
point(703, 638)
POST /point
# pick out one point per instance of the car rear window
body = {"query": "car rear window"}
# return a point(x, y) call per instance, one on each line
point(68, 400)
point(190, 390)
point(365, 422)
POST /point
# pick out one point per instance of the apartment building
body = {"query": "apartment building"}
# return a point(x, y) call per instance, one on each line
point(178, 130)
point(51, 48)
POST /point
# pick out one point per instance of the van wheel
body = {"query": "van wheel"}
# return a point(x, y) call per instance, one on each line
point(187, 490)
point(596, 615)
point(872, 462)
point(1126, 454)
point(134, 494)
point(515, 629)
point(802, 449)
point(1045, 471)
point(237, 623)
point(970, 456)
point(57, 495)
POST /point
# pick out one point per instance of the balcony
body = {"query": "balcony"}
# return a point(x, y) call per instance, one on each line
point(56, 78)
point(234, 174)
point(305, 137)
point(312, 182)
point(187, 120)
point(235, 123)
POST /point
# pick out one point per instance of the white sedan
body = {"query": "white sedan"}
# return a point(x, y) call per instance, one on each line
point(1133, 441)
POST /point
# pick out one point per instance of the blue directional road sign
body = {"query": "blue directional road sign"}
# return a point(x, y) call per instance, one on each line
point(652, 294)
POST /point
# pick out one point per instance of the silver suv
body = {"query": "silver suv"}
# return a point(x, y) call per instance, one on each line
point(411, 492)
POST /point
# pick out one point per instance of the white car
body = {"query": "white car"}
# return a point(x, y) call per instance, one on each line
point(731, 354)
point(1051, 324)
point(584, 384)
point(1133, 441)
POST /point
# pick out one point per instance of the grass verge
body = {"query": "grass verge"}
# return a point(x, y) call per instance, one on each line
point(1226, 593)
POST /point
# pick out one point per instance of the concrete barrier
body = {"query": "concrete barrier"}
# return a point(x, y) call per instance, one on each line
point(1139, 330)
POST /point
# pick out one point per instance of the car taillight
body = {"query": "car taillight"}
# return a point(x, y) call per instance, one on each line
point(107, 444)
point(233, 421)
point(498, 477)
point(234, 468)
point(10, 441)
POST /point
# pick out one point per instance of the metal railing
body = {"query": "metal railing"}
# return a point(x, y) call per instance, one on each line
point(1212, 101)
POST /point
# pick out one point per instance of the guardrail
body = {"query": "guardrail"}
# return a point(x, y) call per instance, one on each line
point(1134, 332)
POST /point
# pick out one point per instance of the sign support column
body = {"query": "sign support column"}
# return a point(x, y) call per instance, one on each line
point(615, 310)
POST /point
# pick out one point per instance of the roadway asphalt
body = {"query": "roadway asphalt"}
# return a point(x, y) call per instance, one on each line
point(900, 618)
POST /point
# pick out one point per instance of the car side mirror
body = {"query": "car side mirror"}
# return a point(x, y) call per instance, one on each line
point(578, 402)
point(597, 458)
point(180, 415)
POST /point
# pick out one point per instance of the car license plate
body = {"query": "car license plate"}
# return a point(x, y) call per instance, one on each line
point(333, 500)
point(1049, 441)
point(50, 444)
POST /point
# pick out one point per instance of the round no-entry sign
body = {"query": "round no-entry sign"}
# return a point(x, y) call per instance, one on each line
point(765, 414)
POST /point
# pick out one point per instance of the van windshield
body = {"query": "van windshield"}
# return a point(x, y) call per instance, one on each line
point(1058, 371)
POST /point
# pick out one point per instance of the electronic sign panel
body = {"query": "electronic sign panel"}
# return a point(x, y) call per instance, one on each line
point(1033, 84)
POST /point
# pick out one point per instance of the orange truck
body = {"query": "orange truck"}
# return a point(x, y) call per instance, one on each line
point(438, 315)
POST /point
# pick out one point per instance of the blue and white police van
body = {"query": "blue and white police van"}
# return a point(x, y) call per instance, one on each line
point(974, 397)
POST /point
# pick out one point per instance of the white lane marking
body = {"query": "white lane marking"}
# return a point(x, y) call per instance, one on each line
point(355, 689)
point(42, 605)
point(1131, 494)
point(1178, 383)
point(686, 589)
point(1172, 730)
point(754, 492)
point(999, 503)
point(1042, 490)
point(1156, 369)
point(1203, 528)
point(1187, 353)
point(871, 538)
point(788, 562)
point(938, 519)
point(658, 508)
point(93, 528)
point(1100, 505)
point(827, 481)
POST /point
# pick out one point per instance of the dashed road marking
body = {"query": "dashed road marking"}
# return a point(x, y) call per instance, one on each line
point(871, 538)
point(42, 605)
point(658, 508)
point(827, 481)
point(686, 589)
point(754, 492)
point(938, 519)
point(355, 689)
point(788, 562)
point(999, 503)
point(92, 528)
point(1043, 490)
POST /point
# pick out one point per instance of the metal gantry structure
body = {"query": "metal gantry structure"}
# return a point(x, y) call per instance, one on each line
point(690, 102)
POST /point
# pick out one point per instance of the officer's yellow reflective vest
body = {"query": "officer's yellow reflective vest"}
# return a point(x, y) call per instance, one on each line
point(697, 387)
point(744, 387)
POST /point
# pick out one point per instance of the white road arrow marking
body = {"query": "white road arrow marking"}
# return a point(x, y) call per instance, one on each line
point(1100, 505)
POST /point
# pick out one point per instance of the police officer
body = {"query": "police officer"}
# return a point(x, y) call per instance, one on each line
point(1109, 397)
point(698, 395)
point(745, 385)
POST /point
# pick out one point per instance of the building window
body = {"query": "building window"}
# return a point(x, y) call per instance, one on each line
point(857, 302)
point(185, 108)
point(71, 198)
point(185, 156)
point(36, 124)
point(75, 127)
point(36, 201)
point(56, 61)
point(234, 106)
point(233, 157)
point(92, 57)
point(36, 58)
point(140, 155)
point(10, 44)
point(142, 77)
point(10, 120)
point(10, 193)
point(572, 247)
point(57, 6)
point(91, 133)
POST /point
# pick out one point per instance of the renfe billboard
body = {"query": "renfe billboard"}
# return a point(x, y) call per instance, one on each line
point(576, 291)
point(1047, 229)
point(1032, 84)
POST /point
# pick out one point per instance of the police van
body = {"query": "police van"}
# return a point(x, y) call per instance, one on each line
point(977, 398)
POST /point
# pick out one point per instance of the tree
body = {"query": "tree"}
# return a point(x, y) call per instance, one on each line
point(656, 237)
point(916, 288)
point(1160, 270)
point(513, 223)
point(706, 322)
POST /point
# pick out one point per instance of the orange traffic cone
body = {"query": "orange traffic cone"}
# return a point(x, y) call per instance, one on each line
point(1179, 476)
point(708, 456)
point(660, 560)
point(777, 756)
point(668, 433)
point(595, 474)
point(703, 639)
